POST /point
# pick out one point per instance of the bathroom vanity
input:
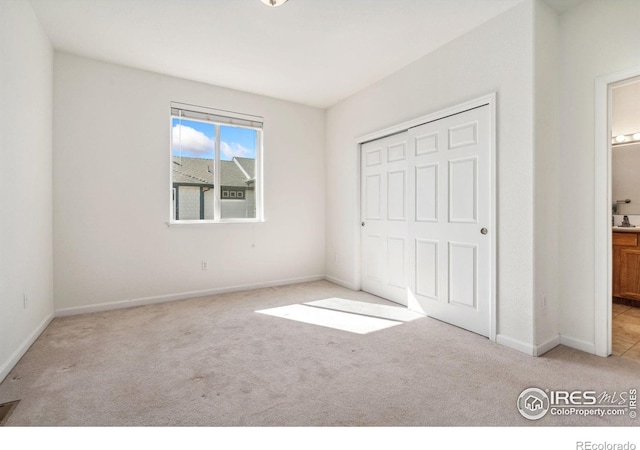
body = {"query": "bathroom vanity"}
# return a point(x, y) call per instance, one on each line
point(626, 265)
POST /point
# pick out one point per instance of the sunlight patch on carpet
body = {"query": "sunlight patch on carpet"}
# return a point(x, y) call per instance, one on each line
point(396, 313)
point(345, 315)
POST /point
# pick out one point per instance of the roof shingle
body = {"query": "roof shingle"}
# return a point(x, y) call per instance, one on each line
point(200, 171)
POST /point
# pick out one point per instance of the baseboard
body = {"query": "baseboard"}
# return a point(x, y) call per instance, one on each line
point(578, 344)
point(515, 344)
point(547, 345)
point(179, 296)
point(339, 282)
point(626, 302)
point(8, 365)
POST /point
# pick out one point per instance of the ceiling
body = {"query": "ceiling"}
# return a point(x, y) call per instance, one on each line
point(314, 52)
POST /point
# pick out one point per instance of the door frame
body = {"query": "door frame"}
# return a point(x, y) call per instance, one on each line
point(489, 100)
point(603, 255)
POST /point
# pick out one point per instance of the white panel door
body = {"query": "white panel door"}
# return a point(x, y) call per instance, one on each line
point(427, 219)
point(452, 233)
point(385, 247)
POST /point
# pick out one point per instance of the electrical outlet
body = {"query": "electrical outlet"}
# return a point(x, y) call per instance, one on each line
point(25, 300)
point(204, 265)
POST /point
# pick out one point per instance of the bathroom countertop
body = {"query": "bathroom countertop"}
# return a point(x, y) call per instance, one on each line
point(617, 229)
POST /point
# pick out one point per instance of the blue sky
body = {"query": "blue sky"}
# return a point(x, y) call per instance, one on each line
point(197, 139)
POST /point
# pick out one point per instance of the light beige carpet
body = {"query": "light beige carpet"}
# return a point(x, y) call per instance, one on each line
point(214, 361)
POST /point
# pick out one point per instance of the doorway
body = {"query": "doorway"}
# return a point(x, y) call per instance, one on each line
point(625, 190)
point(427, 222)
point(617, 243)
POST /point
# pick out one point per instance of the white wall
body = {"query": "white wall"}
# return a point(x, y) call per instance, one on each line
point(111, 183)
point(597, 38)
point(497, 56)
point(26, 261)
point(547, 107)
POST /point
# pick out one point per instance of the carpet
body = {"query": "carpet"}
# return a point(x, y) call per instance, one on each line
point(214, 362)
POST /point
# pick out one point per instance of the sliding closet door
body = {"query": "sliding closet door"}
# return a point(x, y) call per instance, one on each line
point(385, 247)
point(427, 219)
point(452, 229)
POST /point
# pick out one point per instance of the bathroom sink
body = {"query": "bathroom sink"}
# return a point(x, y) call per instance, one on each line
point(619, 228)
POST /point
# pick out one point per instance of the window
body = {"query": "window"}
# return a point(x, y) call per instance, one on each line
point(216, 165)
point(231, 193)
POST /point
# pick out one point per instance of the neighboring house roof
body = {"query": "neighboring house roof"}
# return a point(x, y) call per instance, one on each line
point(231, 175)
point(192, 170)
point(248, 165)
point(200, 171)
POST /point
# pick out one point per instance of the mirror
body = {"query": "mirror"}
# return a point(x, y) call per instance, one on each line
point(625, 155)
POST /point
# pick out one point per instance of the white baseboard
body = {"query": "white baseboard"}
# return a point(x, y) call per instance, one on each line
point(180, 296)
point(8, 365)
point(339, 282)
point(578, 344)
point(515, 344)
point(547, 345)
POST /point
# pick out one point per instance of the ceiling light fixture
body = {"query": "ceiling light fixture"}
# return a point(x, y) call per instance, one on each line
point(274, 3)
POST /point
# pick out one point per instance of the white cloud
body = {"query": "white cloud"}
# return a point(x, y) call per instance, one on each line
point(192, 141)
point(235, 149)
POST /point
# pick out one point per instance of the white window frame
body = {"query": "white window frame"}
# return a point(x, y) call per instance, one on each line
point(220, 118)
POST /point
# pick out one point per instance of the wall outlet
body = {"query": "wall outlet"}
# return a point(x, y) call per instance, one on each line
point(25, 300)
point(204, 265)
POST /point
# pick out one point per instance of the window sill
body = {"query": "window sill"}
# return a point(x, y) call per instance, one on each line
point(180, 223)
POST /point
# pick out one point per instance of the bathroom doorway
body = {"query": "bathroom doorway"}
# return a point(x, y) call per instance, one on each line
point(625, 208)
point(604, 217)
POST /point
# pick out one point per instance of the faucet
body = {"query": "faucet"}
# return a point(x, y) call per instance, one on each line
point(625, 222)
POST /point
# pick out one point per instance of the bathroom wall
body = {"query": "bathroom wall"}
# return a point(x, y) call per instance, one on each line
point(634, 219)
point(625, 182)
